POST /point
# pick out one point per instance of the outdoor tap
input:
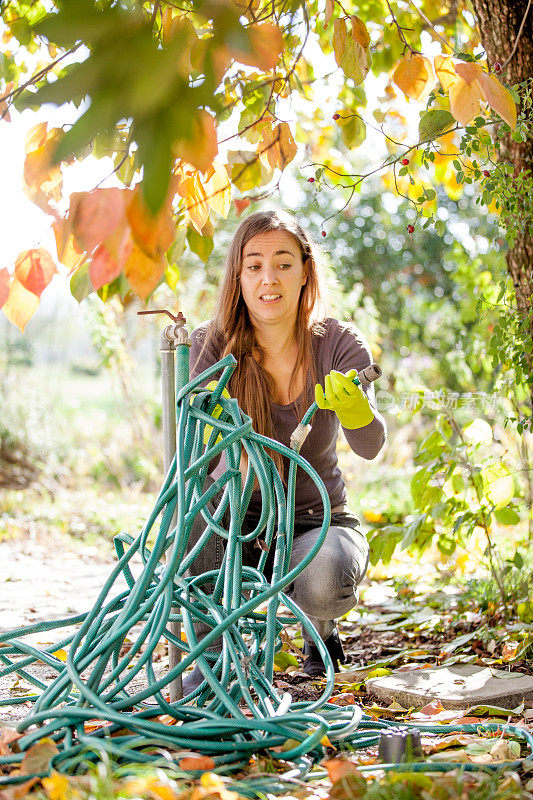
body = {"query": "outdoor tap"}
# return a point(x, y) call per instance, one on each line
point(172, 335)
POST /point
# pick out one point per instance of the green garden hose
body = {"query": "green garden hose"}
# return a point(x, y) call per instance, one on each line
point(236, 712)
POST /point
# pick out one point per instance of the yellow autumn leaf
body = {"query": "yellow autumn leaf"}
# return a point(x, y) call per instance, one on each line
point(499, 485)
point(20, 305)
point(277, 147)
point(68, 251)
point(414, 75)
point(464, 100)
point(350, 55)
point(56, 786)
point(62, 655)
point(42, 179)
point(152, 233)
point(147, 785)
point(218, 189)
point(143, 273)
point(499, 98)
point(445, 71)
point(195, 203)
point(202, 147)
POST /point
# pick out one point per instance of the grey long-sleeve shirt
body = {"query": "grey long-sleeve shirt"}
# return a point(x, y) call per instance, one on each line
point(340, 346)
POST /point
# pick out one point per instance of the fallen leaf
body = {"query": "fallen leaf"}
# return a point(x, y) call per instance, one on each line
point(7, 737)
point(338, 768)
point(196, 763)
point(38, 757)
point(435, 707)
point(148, 785)
point(56, 786)
point(510, 650)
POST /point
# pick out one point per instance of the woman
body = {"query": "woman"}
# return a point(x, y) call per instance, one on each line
point(270, 316)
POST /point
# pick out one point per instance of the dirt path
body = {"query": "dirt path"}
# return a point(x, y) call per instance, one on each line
point(46, 577)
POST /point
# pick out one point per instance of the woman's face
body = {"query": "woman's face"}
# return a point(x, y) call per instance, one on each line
point(272, 276)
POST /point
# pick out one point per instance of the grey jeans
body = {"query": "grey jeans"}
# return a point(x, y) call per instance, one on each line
point(327, 588)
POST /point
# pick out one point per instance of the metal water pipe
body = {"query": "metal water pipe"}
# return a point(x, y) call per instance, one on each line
point(173, 372)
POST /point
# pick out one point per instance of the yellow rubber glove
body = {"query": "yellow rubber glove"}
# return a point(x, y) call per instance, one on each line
point(216, 412)
point(345, 398)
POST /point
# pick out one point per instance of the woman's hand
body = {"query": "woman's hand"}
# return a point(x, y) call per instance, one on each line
point(345, 398)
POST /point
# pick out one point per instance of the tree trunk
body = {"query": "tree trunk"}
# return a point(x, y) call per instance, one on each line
point(499, 23)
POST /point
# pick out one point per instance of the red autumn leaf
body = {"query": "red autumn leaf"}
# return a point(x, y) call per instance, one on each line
point(339, 768)
point(203, 763)
point(240, 204)
point(435, 707)
point(5, 279)
point(343, 699)
point(20, 305)
point(35, 269)
point(103, 267)
point(94, 215)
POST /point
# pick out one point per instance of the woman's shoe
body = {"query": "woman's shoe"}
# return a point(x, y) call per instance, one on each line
point(313, 664)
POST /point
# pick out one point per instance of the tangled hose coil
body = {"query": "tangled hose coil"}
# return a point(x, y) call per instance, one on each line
point(237, 711)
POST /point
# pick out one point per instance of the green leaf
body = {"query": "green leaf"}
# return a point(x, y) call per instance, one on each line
point(80, 283)
point(155, 153)
point(433, 123)
point(201, 245)
point(507, 516)
point(172, 276)
point(353, 132)
point(412, 531)
point(283, 659)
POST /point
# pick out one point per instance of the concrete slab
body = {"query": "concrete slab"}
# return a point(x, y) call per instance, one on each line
point(458, 686)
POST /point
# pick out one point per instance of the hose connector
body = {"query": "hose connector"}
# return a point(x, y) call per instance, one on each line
point(298, 436)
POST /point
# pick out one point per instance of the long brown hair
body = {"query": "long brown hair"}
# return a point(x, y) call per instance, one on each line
point(231, 327)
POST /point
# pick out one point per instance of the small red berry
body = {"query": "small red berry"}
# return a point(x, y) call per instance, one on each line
point(411, 228)
point(486, 173)
point(323, 233)
point(336, 117)
point(310, 180)
point(405, 161)
point(497, 66)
